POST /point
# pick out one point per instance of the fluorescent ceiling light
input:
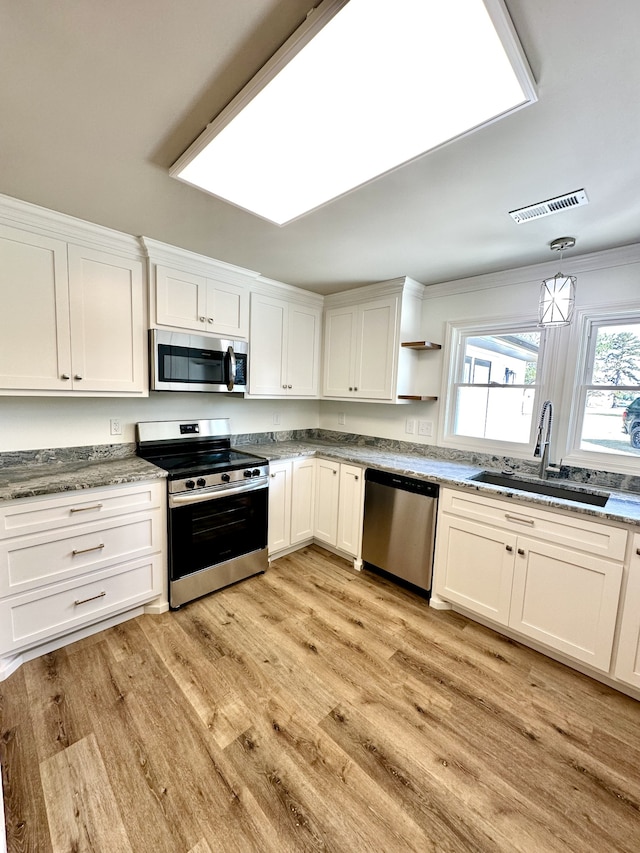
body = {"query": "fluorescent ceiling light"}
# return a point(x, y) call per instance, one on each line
point(362, 87)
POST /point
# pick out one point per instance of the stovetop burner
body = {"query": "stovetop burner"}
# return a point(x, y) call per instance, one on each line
point(184, 465)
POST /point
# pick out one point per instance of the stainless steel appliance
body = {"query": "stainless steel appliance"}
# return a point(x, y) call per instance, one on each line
point(180, 362)
point(399, 526)
point(217, 505)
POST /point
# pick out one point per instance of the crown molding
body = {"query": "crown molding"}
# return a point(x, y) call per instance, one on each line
point(606, 259)
point(271, 287)
point(183, 259)
point(402, 285)
point(16, 213)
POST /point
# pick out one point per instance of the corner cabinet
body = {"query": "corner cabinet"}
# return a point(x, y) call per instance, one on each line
point(195, 293)
point(285, 328)
point(363, 332)
point(553, 578)
point(73, 317)
point(291, 504)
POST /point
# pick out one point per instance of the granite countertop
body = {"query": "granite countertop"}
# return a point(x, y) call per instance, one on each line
point(35, 480)
point(621, 507)
point(41, 476)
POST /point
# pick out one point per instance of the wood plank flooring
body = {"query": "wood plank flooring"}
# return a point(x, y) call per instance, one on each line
point(314, 708)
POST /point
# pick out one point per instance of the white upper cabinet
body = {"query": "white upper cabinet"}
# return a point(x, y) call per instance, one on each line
point(193, 292)
point(363, 331)
point(284, 341)
point(72, 317)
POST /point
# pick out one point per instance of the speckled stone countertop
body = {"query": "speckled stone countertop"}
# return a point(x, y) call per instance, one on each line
point(621, 507)
point(29, 480)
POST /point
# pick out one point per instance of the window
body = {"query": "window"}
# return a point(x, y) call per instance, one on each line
point(496, 377)
point(609, 396)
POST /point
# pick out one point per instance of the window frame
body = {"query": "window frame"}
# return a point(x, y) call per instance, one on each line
point(457, 332)
point(587, 323)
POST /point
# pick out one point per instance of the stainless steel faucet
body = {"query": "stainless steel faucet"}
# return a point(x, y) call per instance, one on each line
point(542, 447)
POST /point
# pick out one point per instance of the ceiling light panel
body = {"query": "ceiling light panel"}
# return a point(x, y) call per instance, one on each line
point(362, 87)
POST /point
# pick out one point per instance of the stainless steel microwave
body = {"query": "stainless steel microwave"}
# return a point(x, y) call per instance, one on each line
point(180, 362)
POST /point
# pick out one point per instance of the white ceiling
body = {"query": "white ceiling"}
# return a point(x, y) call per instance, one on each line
point(98, 99)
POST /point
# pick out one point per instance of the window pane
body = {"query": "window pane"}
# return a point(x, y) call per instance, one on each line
point(617, 356)
point(509, 359)
point(611, 424)
point(501, 414)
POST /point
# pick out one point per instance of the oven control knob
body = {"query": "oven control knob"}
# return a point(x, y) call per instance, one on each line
point(190, 484)
point(247, 473)
point(225, 478)
point(255, 472)
point(202, 482)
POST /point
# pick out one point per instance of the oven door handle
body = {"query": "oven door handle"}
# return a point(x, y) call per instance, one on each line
point(232, 369)
point(225, 492)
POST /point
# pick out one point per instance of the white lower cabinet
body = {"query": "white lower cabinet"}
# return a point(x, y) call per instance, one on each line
point(316, 500)
point(291, 503)
point(557, 582)
point(72, 560)
point(339, 505)
point(627, 667)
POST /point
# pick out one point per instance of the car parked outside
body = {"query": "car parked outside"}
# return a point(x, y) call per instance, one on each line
point(631, 422)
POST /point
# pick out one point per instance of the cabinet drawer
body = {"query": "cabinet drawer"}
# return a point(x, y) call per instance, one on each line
point(58, 609)
point(31, 561)
point(31, 515)
point(574, 531)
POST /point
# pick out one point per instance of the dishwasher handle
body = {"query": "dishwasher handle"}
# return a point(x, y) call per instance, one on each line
point(399, 481)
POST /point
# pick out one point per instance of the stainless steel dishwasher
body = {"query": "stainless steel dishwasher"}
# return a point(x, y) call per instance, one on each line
point(399, 526)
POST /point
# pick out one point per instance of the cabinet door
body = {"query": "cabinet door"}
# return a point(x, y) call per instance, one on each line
point(628, 659)
point(327, 490)
point(267, 342)
point(227, 309)
point(303, 351)
point(107, 324)
point(303, 495)
point(376, 349)
point(279, 506)
point(34, 321)
point(474, 567)
point(567, 600)
point(181, 299)
point(350, 509)
point(339, 343)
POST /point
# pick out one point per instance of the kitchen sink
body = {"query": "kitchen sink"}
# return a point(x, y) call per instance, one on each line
point(566, 493)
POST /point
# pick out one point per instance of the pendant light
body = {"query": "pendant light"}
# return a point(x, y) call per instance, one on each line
point(558, 294)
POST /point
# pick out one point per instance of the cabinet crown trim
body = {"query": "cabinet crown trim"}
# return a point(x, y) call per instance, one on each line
point(16, 213)
point(281, 290)
point(187, 261)
point(358, 295)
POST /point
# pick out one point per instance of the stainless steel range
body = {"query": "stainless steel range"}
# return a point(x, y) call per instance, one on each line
point(217, 505)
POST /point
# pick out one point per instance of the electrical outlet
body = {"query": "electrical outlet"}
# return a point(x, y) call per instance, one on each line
point(410, 426)
point(341, 418)
point(116, 426)
point(425, 427)
point(276, 418)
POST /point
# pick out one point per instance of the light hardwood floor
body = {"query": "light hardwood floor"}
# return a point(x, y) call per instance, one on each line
point(314, 709)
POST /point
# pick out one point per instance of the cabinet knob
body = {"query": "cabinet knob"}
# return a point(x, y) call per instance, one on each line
point(202, 319)
point(356, 477)
point(521, 551)
point(77, 376)
point(273, 475)
point(509, 547)
point(284, 386)
point(65, 376)
point(289, 386)
point(334, 471)
point(350, 388)
point(638, 551)
point(355, 389)
point(210, 319)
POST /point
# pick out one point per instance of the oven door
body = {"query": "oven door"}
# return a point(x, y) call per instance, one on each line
point(224, 532)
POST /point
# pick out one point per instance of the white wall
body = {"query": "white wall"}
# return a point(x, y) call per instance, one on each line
point(28, 423)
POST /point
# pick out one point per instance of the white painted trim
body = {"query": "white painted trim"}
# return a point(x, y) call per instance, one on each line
point(40, 220)
point(271, 287)
point(156, 607)
point(369, 292)
point(622, 256)
point(183, 259)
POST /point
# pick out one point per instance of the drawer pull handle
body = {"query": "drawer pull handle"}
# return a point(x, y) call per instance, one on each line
point(77, 551)
point(509, 547)
point(521, 551)
point(638, 551)
point(519, 520)
point(93, 598)
point(85, 508)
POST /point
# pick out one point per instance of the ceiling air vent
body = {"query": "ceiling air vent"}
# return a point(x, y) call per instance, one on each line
point(552, 205)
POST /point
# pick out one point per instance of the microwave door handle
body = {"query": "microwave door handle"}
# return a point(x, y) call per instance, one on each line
point(232, 369)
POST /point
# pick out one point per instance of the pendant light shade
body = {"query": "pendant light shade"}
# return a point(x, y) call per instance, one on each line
point(558, 294)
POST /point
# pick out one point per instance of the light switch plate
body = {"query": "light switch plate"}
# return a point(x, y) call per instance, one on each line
point(425, 428)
